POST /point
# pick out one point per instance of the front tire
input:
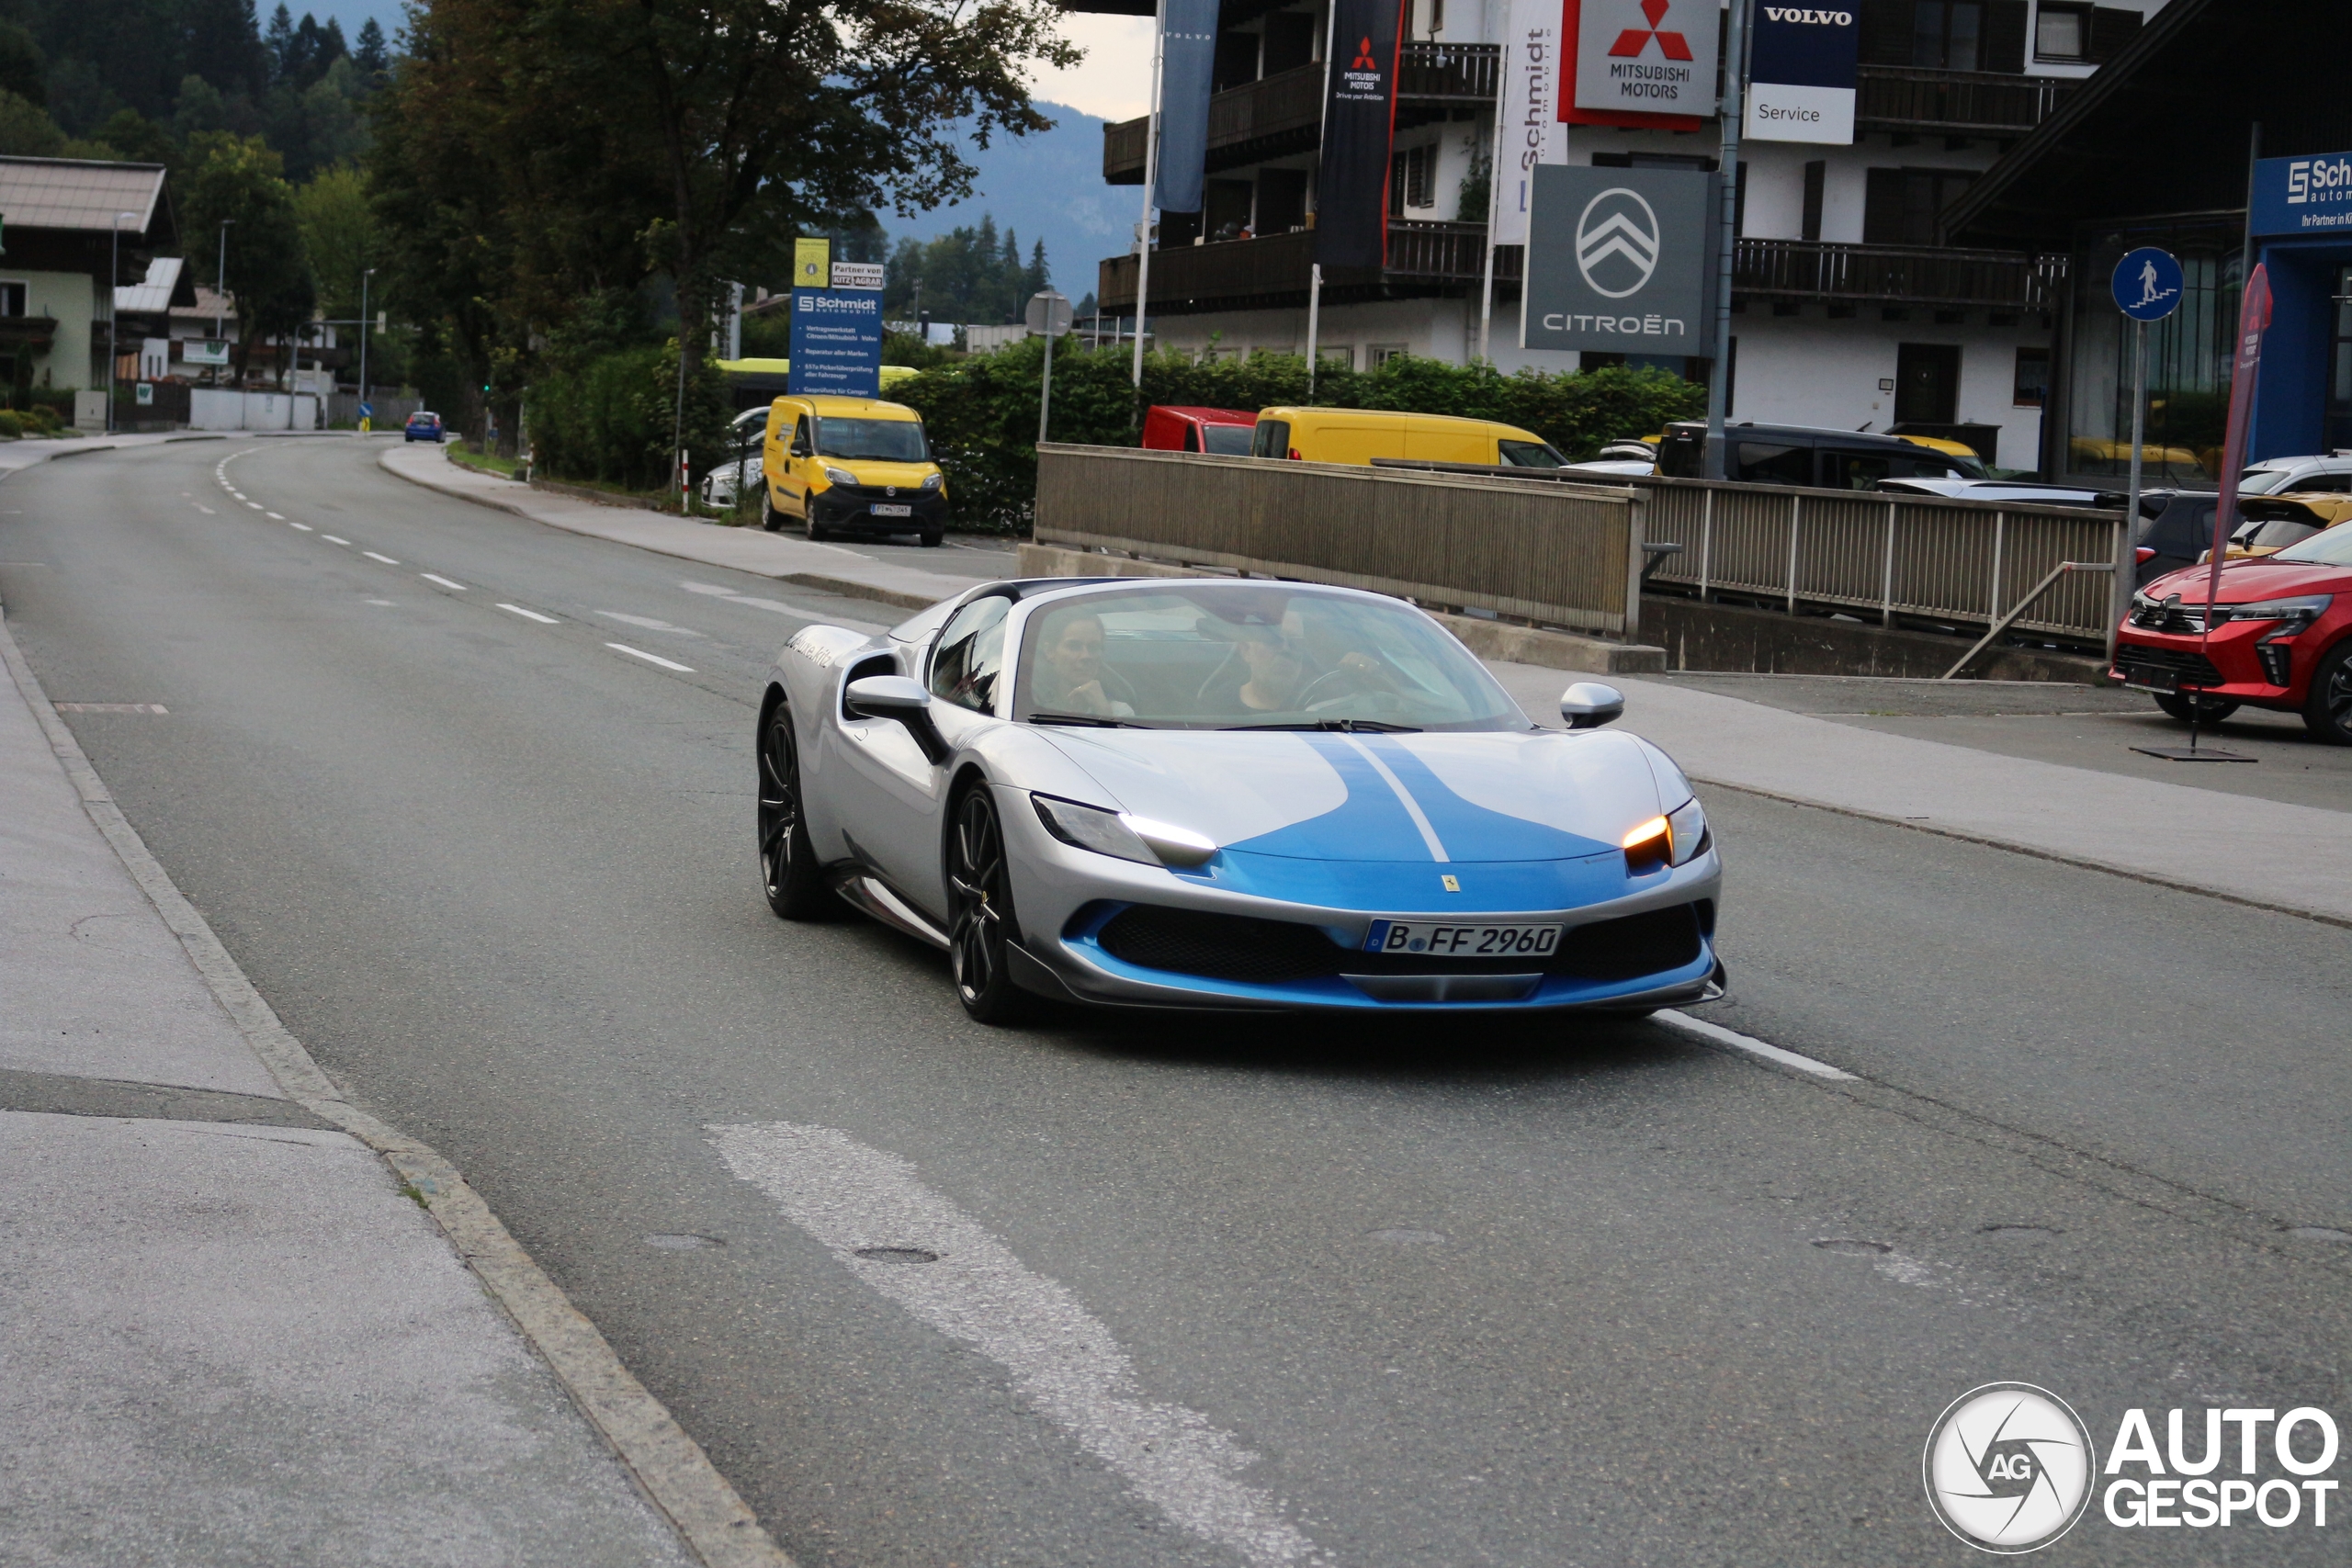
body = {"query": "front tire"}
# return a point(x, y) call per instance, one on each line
point(980, 910)
point(2327, 712)
point(770, 518)
point(933, 540)
point(2209, 710)
point(789, 874)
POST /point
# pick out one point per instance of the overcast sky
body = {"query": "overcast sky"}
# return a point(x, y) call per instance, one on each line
point(1114, 81)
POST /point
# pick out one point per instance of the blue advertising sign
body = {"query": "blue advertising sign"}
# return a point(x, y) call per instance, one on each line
point(1803, 64)
point(2147, 284)
point(836, 343)
point(2303, 195)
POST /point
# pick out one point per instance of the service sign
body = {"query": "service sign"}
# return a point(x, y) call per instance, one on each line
point(1802, 63)
point(1647, 56)
point(2303, 196)
point(836, 343)
point(1619, 259)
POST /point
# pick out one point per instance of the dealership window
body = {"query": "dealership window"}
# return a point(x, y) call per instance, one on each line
point(1340, 357)
point(1948, 35)
point(1900, 206)
point(1412, 178)
point(2032, 381)
point(2189, 359)
point(1380, 353)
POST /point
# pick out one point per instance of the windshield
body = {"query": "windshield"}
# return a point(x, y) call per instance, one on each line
point(1227, 440)
point(1232, 656)
point(2333, 548)
point(877, 440)
point(1530, 454)
point(2262, 481)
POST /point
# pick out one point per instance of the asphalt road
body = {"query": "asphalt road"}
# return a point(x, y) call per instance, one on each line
point(1540, 1293)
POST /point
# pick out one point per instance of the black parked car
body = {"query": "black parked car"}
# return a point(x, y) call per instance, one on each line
point(1817, 459)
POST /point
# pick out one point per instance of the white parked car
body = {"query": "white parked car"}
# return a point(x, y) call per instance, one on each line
point(724, 484)
point(2281, 476)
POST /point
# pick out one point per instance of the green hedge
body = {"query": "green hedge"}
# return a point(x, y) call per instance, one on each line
point(982, 412)
point(609, 418)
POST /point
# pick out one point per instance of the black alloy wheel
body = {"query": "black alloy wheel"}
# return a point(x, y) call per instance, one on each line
point(2327, 712)
point(2209, 710)
point(789, 874)
point(934, 539)
point(979, 909)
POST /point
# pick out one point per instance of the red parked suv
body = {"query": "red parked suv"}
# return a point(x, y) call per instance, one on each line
point(2282, 637)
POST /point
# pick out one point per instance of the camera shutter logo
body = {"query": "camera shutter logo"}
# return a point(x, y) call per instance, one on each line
point(2008, 1468)
point(1617, 243)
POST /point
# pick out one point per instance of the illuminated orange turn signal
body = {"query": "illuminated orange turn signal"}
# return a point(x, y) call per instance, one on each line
point(1649, 846)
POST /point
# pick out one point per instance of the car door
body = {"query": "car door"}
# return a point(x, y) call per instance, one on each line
point(895, 816)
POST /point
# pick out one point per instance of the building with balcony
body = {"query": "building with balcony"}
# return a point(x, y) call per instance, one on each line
point(68, 223)
point(1850, 311)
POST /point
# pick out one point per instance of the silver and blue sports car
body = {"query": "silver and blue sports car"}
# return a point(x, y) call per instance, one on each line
point(1246, 795)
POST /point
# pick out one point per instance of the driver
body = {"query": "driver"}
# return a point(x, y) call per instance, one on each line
point(1277, 672)
point(1069, 673)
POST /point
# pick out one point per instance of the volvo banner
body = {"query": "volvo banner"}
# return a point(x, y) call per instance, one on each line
point(1351, 191)
point(1531, 133)
point(1187, 72)
point(1650, 56)
point(1801, 69)
point(1620, 259)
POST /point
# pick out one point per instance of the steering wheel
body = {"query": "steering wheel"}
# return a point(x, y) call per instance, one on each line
point(1335, 686)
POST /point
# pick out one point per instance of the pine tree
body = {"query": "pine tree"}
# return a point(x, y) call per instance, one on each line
point(280, 41)
point(1039, 277)
point(371, 57)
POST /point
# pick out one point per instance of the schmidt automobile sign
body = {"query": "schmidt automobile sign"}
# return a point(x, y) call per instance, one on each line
point(1617, 259)
point(2303, 196)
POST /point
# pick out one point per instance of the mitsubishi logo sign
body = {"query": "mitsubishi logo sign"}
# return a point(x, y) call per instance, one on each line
point(1617, 243)
point(1632, 41)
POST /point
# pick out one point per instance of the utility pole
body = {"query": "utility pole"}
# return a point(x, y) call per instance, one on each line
point(221, 296)
point(1494, 210)
point(1733, 109)
point(114, 330)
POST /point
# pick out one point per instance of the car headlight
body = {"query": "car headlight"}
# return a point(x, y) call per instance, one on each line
point(1688, 828)
point(2293, 614)
point(1122, 835)
point(933, 481)
point(1674, 838)
point(840, 477)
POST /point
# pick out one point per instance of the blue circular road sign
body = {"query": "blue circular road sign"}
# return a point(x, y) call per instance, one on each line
point(2147, 284)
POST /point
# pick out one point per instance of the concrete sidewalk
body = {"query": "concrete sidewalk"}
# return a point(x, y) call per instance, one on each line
point(235, 1334)
point(780, 556)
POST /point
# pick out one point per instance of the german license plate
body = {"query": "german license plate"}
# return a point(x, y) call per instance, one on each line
point(1461, 939)
point(884, 509)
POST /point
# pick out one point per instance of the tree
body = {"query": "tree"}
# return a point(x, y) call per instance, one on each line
point(26, 130)
point(966, 275)
point(342, 238)
point(371, 56)
point(239, 178)
point(280, 41)
point(24, 69)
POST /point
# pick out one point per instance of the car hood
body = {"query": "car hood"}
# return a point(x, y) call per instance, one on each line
point(2250, 581)
point(907, 476)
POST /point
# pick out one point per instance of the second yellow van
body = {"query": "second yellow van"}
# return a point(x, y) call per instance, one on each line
point(1358, 436)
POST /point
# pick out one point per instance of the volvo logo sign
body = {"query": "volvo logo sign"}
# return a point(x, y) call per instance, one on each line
point(1617, 241)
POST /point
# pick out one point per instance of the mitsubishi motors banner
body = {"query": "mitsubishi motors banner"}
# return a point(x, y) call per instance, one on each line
point(1187, 69)
point(1643, 57)
point(1351, 190)
point(1531, 133)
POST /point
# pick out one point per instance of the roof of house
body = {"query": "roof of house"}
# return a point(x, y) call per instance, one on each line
point(207, 306)
point(168, 283)
point(72, 192)
point(2162, 126)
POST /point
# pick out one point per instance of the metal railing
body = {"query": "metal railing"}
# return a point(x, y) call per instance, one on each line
point(1948, 562)
point(1952, 103)
point(1451, 73)
point(1272, 269)
point(1557, 554)
point(1813, 269)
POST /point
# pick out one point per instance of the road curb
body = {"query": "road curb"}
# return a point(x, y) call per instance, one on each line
point(2013, 847)
point(848, 587)
point(717, 1527)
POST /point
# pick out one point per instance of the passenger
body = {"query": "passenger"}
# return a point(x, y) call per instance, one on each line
point(1070, 671)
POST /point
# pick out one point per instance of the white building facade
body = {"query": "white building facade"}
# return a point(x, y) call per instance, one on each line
point(1849, 312)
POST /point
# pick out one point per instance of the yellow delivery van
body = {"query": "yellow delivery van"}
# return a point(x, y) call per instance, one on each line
point(1358, 436)
point(851, 465)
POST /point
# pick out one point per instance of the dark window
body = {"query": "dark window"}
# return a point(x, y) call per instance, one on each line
point(1271, 440)
point(1281, 200)
point(1816, 190)
point(2032, 385)
point(1900, 207)
point(1948, 35)
point(1886, 32)
point(1226, 212)
point(2111, 29)
point(1862, 471)
point(1412, 179)
point(1191, 439)
point(1739, 203)
point(2004, 47)
point(1927, 383)
point(971, 653)
point(1290, 42)
point(1530, 454)
point(2336, 417)
point(12, 299)
point(1228, 440)
point(1236, 61)
point(1775, 464)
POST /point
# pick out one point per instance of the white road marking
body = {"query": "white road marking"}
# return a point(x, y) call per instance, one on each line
point(529, 615)
point(386, 602)
point(254, 504)
point(1412, 806)
point(304, 526)
point(206, 510)
point(1064, 1362)
point(778, 607)
point(1717, 1035)
point(648, 622)
point(331, 539)
point(275, 516)
point(651, 658)
point(444, 581)
point(110, 707)
point(373, 556)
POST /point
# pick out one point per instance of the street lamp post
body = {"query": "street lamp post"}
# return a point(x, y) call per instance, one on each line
point(221, 294)
point(114, 335)
point(364, 276)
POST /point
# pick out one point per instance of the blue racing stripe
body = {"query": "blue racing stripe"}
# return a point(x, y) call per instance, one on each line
point(1472, 832)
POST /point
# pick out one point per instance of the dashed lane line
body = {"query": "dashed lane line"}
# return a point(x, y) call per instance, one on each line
point(373, 556)
point(304, 526)
point(528, 614)
point(331, 539)
point(454, 587)
point(650, 657)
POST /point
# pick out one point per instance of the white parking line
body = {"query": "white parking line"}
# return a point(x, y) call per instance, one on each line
point(528, 614)
point(373, 556)
point(331, 539)
point(913, 1246)
point(442, 581)
point(1717, 1035)
point(651, 658)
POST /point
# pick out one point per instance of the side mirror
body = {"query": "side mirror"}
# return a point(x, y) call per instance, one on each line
point(1587, 705)
point(896, 696)
point(799, 448)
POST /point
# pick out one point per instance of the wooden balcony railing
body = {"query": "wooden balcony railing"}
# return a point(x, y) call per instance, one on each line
point(1245, 274)
point(1451, 73)
point(1955, 103)
point(1898, 275)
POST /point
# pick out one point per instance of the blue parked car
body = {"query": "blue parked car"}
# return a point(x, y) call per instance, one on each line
point(422, 426)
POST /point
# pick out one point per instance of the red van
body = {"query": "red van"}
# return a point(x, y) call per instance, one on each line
point(1225, 432)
